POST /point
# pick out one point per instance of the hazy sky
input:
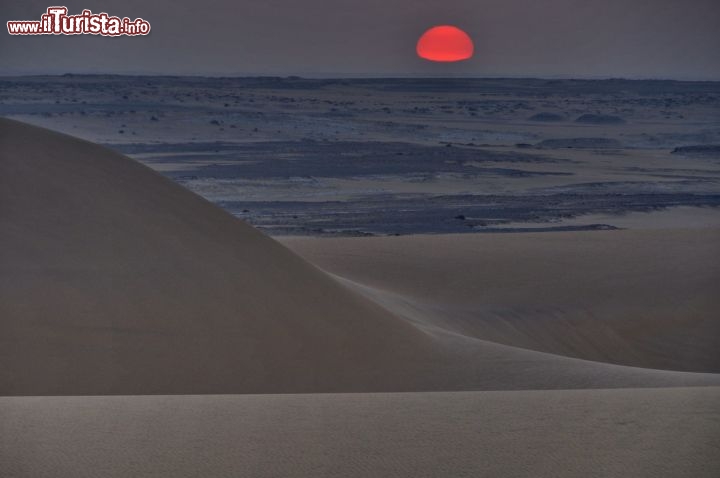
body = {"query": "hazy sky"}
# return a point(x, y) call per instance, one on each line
point(578, 38)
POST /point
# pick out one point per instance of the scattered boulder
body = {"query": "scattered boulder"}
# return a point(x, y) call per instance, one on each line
point(580, 143)
point(546, 117)
point(599, 119)
point(699, 150)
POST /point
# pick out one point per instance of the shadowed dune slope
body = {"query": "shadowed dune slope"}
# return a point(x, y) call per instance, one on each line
point(115, 280)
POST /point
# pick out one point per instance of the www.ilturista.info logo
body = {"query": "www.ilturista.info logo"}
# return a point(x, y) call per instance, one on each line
point(57, 22)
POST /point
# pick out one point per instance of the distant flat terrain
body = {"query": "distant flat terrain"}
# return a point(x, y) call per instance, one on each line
point(348, 157)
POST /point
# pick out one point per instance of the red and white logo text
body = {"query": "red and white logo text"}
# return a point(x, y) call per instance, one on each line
point(56, 21)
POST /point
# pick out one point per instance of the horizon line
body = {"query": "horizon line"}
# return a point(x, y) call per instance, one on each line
point(366, 77)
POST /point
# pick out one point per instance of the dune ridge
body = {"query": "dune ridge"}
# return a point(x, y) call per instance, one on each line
point(118, 281)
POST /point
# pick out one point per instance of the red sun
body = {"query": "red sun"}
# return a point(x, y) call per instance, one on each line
point(445, 43)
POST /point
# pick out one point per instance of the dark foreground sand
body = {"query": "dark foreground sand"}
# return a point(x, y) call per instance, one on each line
point(116, 281)
point(577, 433)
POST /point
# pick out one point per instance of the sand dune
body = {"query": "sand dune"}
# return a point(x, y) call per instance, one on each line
point(118, 281)
point(581, 433)
point(641, 298)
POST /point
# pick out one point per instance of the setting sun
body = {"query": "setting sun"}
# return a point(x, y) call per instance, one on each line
point(445, 43)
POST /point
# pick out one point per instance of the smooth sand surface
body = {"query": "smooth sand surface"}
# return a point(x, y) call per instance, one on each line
point(581, 433)
point(647, 298)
